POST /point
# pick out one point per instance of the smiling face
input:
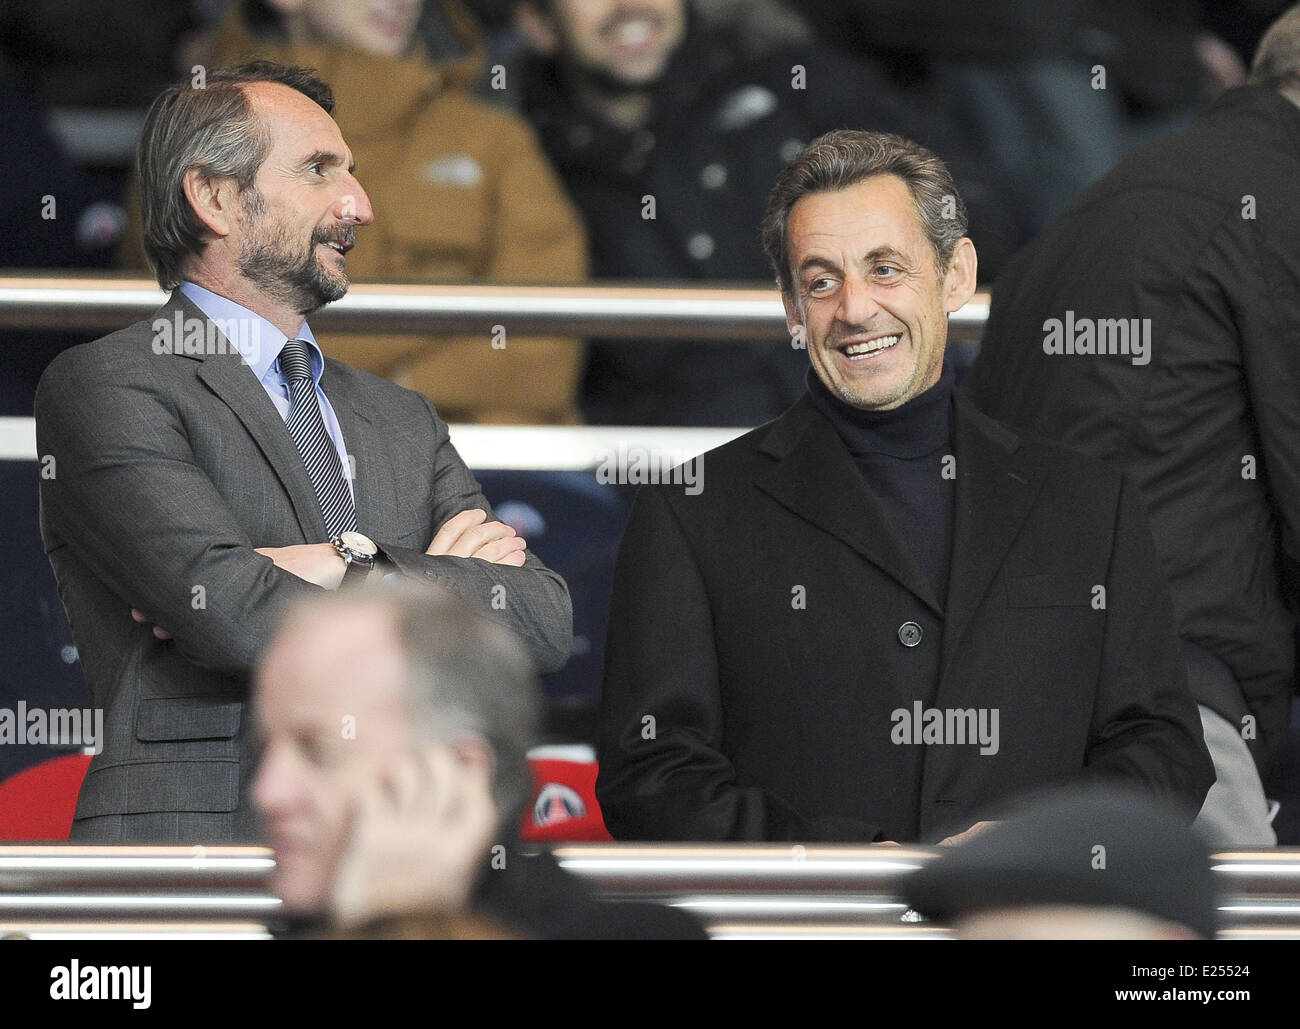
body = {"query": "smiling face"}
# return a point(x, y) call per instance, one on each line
point(873, 305)
point(332, 714)
point(381, 27)
point(297, 223)
point(620, 43)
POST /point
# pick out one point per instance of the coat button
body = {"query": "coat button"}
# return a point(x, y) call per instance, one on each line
point(909, 634)
point(713, 176)
point(700, 246)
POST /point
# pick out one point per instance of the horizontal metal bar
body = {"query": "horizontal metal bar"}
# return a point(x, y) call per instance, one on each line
point(79, 855)
point(96, 135)
point(72, 868)
point(713, 311)
point(1261, 932)
point(75, 929)
point(160, 906)
point(796, 910)
point(763, 891)
point(825, 931)
point(156, 900)
point(584, 447)
point(671, 869)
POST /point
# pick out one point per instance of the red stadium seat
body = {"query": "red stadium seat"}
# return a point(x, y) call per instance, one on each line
point(37, 804)
point(564, 808)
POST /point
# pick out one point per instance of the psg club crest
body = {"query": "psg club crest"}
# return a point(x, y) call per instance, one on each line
point(557, 803)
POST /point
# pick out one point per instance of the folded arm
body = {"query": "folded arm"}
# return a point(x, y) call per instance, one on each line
point(126, 495)
point(527, 597)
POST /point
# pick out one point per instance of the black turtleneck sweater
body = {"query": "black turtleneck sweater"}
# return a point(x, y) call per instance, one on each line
point(901, 456)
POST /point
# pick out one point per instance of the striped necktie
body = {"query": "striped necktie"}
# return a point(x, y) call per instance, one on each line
point(319, 454)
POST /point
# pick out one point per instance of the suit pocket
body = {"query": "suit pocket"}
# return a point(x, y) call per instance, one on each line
point(169, 719)
point(145, 787)
point(1048, 591)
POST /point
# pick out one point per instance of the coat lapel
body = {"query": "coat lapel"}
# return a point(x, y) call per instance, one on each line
point(231, 380)
point(996, 488)
point(815, 477)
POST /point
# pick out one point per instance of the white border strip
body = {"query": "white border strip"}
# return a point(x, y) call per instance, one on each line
point(17, 439)
point(577, 447)
point(501, 447)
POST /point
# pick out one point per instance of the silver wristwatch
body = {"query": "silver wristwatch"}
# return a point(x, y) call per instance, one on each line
point(360, 553)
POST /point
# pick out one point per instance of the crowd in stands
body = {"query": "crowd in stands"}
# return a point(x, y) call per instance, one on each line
point(544, 141)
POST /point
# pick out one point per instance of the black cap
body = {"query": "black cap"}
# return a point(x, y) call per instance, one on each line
point(1104, 846)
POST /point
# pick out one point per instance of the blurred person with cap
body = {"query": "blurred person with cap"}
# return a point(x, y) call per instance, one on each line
point(1105, 862)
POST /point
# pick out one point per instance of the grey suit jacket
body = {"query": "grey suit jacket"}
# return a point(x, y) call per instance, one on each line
point(167, 470)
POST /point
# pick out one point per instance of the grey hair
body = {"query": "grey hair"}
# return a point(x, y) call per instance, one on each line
point(1277, 61)
point(470, 675)
point(845, 157)
point(214, 128)
point(465, 675)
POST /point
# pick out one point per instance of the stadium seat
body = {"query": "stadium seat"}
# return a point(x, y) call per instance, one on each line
point(564, 807)
point(37, 804)
point(574, 524)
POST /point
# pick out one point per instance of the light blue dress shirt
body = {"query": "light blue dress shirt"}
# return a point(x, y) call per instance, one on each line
point(261, 344)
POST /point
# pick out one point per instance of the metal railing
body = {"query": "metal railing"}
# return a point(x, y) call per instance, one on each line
point(720, 312)
point(704, 312)
point(67, 891)
point(738, 890)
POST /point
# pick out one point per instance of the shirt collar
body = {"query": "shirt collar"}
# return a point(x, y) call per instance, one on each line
point(266, 341)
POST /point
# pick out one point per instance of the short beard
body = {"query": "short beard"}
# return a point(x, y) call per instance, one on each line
point(269, 262)
point(612, 86)
point(609, 82)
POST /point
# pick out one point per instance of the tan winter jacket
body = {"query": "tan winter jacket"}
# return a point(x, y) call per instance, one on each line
point(461, 192)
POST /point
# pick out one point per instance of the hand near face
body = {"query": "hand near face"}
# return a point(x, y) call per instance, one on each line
point(470, 534)
point(420, 833)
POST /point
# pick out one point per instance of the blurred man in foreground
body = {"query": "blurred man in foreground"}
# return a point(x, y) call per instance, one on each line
point(395, 726)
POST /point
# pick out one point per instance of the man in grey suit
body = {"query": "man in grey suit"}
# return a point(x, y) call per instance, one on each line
point(209, 465)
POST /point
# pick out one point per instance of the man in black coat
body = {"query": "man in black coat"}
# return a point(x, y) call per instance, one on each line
point(882, 612)
point(668, 135)
point(1155, 325)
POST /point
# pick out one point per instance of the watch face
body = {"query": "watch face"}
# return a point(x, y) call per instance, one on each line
point(358, 543)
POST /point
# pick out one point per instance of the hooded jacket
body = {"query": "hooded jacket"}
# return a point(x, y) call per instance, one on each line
point(461, 192)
